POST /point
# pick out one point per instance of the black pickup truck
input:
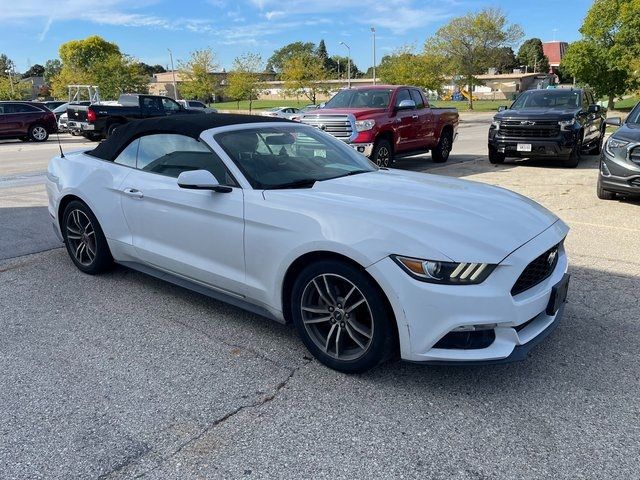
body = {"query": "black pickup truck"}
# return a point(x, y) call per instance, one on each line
point(99, 120)
point(560, 123)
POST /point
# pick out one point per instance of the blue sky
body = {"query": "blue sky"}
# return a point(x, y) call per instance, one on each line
point(32, 30)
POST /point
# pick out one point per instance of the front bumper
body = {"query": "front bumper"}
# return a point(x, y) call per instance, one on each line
point(619, 175)
point(559, 146)
point(365, 149)
point(428, 312)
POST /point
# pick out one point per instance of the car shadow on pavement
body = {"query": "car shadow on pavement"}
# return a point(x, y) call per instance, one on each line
point(26, 230)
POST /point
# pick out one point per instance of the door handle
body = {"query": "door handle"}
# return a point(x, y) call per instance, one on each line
point(132, 192)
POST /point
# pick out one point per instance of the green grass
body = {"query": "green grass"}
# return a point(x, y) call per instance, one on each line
point(478, 105)
point(626, 104)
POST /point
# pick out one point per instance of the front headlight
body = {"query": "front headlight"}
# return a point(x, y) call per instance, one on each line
point(567, 124)
point(448, 273)
point(364, 125)
point(614, 147)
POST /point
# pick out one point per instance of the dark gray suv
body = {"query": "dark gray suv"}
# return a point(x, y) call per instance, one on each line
point(620, 158)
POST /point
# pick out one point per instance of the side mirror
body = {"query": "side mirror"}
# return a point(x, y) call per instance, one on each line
point(502, 108)
point(201, 180)
point(406, 105)
point(594, 109)
point(322, 105)
point(613, 121)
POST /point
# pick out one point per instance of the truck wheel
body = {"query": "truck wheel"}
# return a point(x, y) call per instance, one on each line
point(112, 128)
point(440, 154)
point(604, 194)
point(94, 137)
point(382, 153)
point(573, 159)
point(496, 157)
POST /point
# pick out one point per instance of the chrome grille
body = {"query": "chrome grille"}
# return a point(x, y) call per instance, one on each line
point(337, 125)
point(634, 155)
point(537, 271)
point(533, 129)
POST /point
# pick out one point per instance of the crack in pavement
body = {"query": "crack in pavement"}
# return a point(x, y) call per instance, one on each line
point(222, 420)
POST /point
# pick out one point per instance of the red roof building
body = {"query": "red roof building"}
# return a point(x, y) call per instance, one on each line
point(554, 51)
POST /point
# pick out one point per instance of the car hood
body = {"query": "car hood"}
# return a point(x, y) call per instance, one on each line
point(628, 132)
point(537, 114)
point(423, 215)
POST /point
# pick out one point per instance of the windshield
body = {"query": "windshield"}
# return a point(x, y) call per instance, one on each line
point(554, 99)
point(367, 98)
point(634, 116)
point(61, 109)
point(290, 156)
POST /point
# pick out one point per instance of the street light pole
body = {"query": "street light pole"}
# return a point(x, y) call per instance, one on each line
point(373, 30)
point(173, 73)
point(348, 64)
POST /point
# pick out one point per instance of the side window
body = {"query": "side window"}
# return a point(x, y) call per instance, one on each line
point(151, 103)
point(169, 105)
point(416, 96)
point(170, 155)
point(128, 156)
point(402, 95)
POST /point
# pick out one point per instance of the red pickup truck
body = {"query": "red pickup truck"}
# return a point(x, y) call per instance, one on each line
point(386, 121)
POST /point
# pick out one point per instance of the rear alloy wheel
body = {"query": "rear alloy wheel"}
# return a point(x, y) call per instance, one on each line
point(112, 128)
point(38, 133)
point(382, 153)
point(341, 316)
point(441, 153)
point(602, 193)
point(84, 239)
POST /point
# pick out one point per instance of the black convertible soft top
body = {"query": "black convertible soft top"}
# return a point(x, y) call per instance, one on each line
point(189, 125)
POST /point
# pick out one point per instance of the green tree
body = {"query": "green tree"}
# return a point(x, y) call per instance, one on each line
point(302, 74)
point(323, 56)
point(338, 67)
point(470, 42)
point(404, 67)
point(6, 65)
point(51, 69)
point(606, 58)
point(120, 74)
point(36, 70)
point(531, 55)
point(85, 54)
point(150, 70)
point(244, 82)
point(281, 56)
point(198, 81)
point(10, 89)
point(505, 60)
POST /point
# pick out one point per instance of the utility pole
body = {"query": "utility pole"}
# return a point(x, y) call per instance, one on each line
point(173, 74)
point(348, 64)
point(373, 30)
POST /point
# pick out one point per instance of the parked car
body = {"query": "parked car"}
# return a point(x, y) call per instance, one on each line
point(197, 105)
point(61, 114)
point(291, 223)
point(53, 104)
point(100, 120)
point(559, 123)
point(282, 112)
point(620, 158)
point(26, 121)
point(384, 122)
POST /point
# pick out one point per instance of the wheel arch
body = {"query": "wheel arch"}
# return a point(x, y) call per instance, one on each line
point(64, 201)
point(446, 129)
point(310, 257)
point(386, 135)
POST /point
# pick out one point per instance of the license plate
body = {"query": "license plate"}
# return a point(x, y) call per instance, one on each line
point(558, 295)
point(523, 147)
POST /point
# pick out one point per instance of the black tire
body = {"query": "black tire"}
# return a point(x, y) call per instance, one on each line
point(602, 193)
point(359, 352)
point(440, 154)
point(72, 227)
point(38, 133)
point(574, 157)
point(495, 157)
point(597, 148)
point(112, 128)
point(94, 137)
point(25, 139)
point(382, 153)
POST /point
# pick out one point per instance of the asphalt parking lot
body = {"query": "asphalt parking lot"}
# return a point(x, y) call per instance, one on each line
point(123, 376)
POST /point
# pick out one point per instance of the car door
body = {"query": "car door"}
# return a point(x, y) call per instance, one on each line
point(405, 123)
point(424, 127)
point(595, 119)
point(587, 119)
point(170, 107)
point(3, 124)
point(197, 234)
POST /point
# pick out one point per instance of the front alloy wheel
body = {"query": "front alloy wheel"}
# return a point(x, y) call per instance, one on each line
point(342, 316)
point(38, 133)
point(84, 239)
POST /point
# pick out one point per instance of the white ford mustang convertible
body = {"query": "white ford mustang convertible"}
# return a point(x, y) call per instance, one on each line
point(286, 221)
